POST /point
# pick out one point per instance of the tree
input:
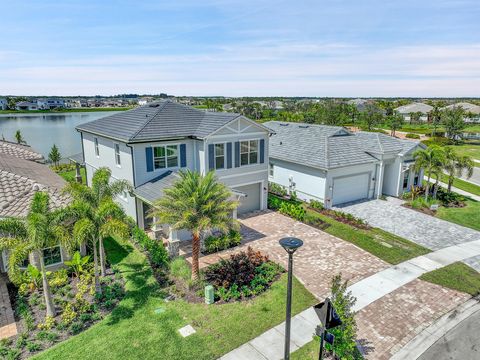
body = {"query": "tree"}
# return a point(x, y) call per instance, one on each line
point(54, 156)
point(415, 117)
point(453, 121)
point(38, 231)
point(395, 121)
point(196, 203)
point(431, 160)
point(93, 214)
point(19, 137)
point(435, 118)
point(370, 117)
point(455, 165)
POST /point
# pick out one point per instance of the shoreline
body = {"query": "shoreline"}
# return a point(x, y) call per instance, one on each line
point(63, 111)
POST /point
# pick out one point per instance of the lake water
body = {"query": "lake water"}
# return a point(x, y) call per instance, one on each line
point(41, 131)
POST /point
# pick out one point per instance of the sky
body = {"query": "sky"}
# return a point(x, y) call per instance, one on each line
point(355, 48)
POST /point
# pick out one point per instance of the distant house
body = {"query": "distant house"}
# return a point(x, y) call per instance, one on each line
point(26, 105)
point(472, 111)
point(407, 110)
point(3, 104)
point(50, 104)
point(360, 104)
point(334, 166)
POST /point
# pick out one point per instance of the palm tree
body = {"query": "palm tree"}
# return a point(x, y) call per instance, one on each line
point(196, 203)
point(455, 165)
point(435, 118)
point(431, 159)
point(94, 215)
point(38, 231)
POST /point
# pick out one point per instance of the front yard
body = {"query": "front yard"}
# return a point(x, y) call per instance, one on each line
point(462, 185)
point(144, 326)
point(468, 216)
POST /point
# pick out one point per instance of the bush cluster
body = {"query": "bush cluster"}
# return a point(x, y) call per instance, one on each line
point(224, 241)
point(412, 136)
point(157, 253)
point(317, 205)
point(277, 189)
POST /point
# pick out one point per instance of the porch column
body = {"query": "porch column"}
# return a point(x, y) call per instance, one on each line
point(78, 175)
point(173, 243)
point(380, 180)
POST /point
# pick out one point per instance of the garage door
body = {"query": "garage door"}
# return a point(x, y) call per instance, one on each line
point(351, 188)
point(250, 202)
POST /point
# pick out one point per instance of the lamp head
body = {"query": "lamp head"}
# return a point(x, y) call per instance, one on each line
point(290, 244)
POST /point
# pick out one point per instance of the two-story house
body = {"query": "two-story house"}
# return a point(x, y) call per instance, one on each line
point(148, 145)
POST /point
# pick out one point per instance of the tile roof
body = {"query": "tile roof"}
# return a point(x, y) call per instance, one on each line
point(20, 151)
point(414, 107)
point(328, 147)
point(158, 120)
point(153, 189)
point(20, 179)
point(468, 107)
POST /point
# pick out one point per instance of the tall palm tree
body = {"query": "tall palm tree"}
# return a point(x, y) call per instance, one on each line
point(94, 215)
point(431, 160)
point(196, 203)
point(38, 231)
point(455, 165)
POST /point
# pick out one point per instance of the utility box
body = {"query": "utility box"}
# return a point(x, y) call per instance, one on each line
point(209, 295)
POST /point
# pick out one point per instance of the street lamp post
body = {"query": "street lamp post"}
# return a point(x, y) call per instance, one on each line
point(290, 244)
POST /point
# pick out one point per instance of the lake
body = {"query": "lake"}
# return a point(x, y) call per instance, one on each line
point(41, 131)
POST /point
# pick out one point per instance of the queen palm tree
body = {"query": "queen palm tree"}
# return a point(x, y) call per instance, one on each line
point(196, 203)
point(455, 165)
point(39, 230)
point(431, 160)
point(94, 215)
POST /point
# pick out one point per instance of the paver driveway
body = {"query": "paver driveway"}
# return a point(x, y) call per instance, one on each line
point(422, 229)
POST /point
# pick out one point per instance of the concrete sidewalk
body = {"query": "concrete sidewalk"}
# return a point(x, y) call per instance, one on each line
point(269, 345)
point(459, 191)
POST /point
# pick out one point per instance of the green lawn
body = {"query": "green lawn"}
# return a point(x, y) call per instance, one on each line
point(70, 175)
point(468, 216)
point(384, 245)
point(457, 276)
point(135, 331)
point(470, 148)
point(462, 184)
point(308, 351)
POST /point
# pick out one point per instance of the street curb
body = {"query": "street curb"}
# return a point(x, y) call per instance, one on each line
point(429, 336)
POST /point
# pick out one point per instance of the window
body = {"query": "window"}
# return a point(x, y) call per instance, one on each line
point(52, 256)
point(97, 152)
point(416, 179)
point(405, 179)
point(117, 154)
point(165, 156)
point(219, 156)
point(270, 169)
point(248, 152)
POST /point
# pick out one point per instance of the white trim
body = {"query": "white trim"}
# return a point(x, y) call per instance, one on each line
point(240, 117)
point(119, 163)
point(236, 139)
point(166, 157)
point(61, 255)
point(96, 147)
point(225, 158)
point(240, 152)
point(243, 174)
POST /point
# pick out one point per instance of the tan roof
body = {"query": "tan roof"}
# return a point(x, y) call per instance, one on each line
point(20, 151)
point(20, 179)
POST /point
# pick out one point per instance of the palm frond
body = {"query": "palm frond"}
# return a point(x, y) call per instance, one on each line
point(115, 227)
point(84, 231)
point(109, 209)
point(13, 227)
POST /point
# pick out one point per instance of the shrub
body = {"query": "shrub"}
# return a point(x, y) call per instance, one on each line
point(412, 136)
point(58, 279)
point(158, 253)
point(293, 210)
point(75, 328)
point(315, 204)
point(421, 203)
point(69, 314)
point(225, 241)
point(450, 199)
point(180, 268)
point(277, 189)
point(33, 347)
point(48, 324)
point(77, 263)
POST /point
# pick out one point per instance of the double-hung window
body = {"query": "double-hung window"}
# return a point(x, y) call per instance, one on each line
point(97, 151)
point(52, 256)
point(406, 176)
point(165, 156)
point(219, 156)
point(248, 152)
point(117, 154)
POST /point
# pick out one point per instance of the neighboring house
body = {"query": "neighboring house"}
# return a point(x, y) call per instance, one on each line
point(26, 105)
point(335, 166)
point(360, 104)
point(422, 108)
point(149, 144)
point(19, 180)
point(3, 104)
point(20, 151)
point(472, 111)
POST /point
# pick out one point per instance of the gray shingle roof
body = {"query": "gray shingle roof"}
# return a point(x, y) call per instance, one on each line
point(20, 151)
point(328, 147)
point(159, 120)
point(153, 189)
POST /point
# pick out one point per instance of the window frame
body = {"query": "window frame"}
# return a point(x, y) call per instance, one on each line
point(215, 156)
point(96, 146)
point(118, 160)
point(406, 176)
point(165, 156)
point(249, 152)
point(61, 255)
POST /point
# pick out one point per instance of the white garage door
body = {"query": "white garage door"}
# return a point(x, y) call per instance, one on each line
point(250, 202)
point(351, 188)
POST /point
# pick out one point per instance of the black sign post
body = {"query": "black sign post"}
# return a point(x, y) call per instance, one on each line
point(329, 319)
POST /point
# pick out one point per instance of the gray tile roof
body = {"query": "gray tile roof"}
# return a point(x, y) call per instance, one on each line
point(20, 151)
point(414, 107)
point(20, 179)
point(467, 107)
point(158, 120)
point(153, 189)
point(328, 147)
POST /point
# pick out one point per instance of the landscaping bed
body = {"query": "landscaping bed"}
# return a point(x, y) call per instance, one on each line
point(77, 304)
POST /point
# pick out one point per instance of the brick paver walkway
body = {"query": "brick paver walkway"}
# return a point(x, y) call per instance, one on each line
point(7, 321)
point(321, 257)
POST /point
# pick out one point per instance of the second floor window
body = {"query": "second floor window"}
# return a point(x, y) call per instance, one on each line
point(117, 154)
point(248, 152)
point(165, 156)
point(270, 169)
point(95, 142)
point(219, 156)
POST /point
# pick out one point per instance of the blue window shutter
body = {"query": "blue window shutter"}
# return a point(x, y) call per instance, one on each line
point(237, 154)
point(149, 157)
point(211, 157)
point(262, 151)
point(183, 155)
point(229, 155)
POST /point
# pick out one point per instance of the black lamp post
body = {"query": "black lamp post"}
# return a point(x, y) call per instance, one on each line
point(290, 244)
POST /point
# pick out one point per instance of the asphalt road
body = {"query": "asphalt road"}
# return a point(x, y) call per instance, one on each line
point(460, 343)
point(475, 177)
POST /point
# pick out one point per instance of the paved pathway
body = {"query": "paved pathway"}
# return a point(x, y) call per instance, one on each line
point(269, 345)
point(7, 321)
point(422, 229)
point(475, 179)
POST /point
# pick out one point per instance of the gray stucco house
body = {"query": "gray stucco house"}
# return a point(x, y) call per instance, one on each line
point(148, 145)
point(335, 166)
